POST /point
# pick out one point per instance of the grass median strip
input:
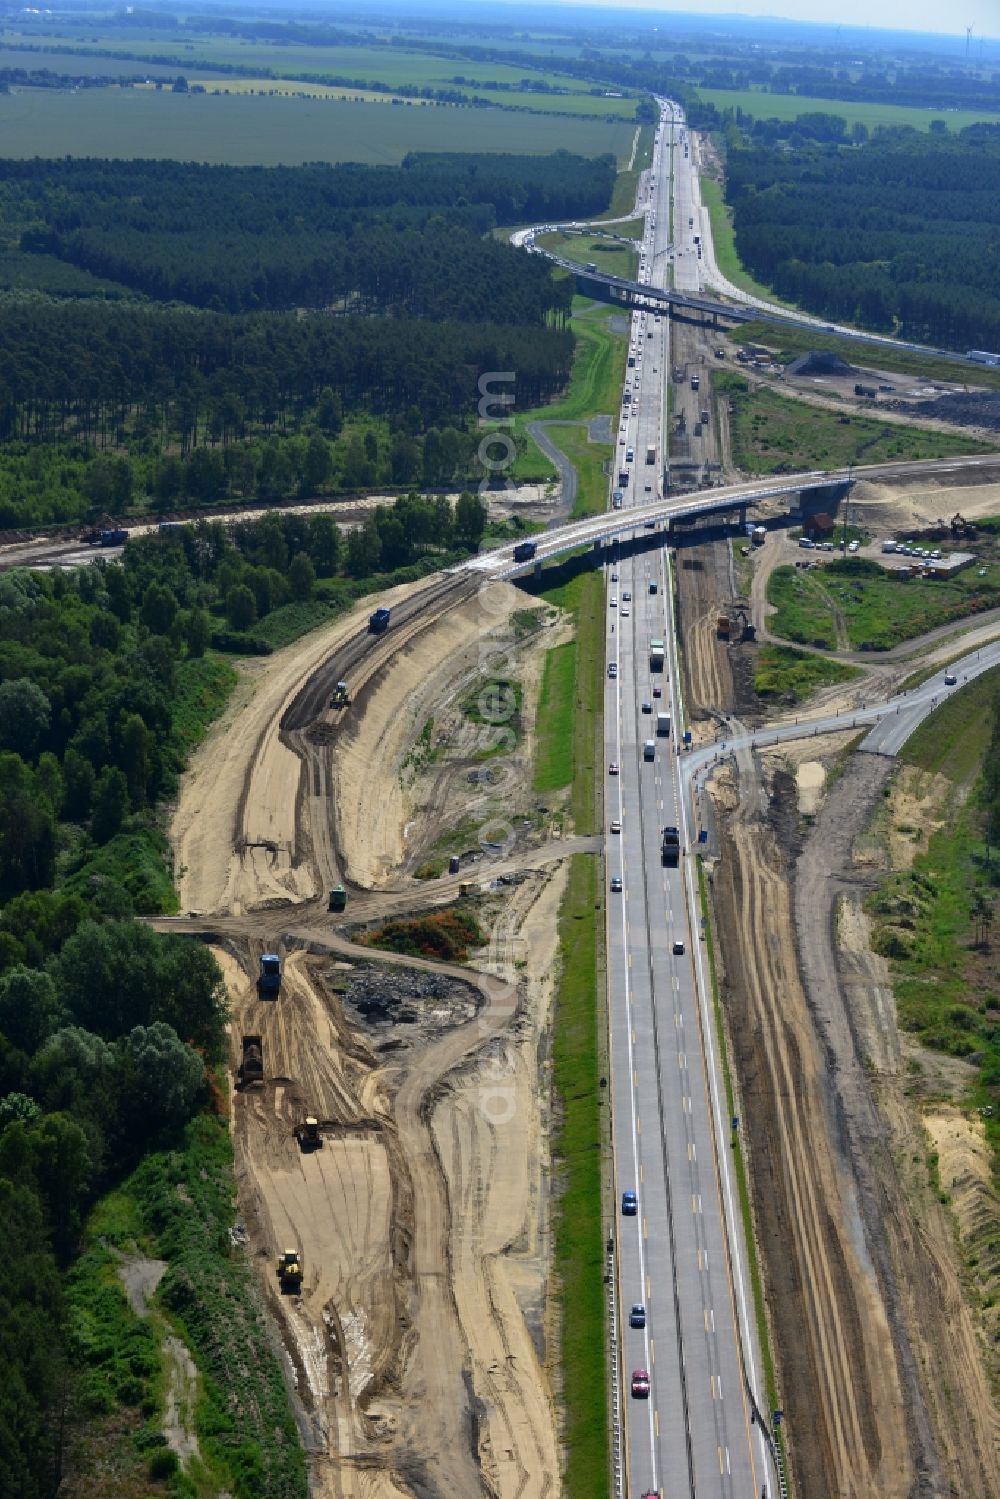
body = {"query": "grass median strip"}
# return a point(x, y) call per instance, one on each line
point(571, 749)
point(579, 1234)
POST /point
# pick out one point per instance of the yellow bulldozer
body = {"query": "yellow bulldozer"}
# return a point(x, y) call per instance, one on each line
point(290, 1271)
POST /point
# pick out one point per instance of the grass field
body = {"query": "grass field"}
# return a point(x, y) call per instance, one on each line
point(835, 607)
point(951, 740)
point(772, 434)
point(724, 243)
point(609, 256)
point(256, 130)
point(598, 367)
point(588, 458)
point(764, 106)
point(594, 388)
point(579, 1236)
point(783, 674)
point(554, 720)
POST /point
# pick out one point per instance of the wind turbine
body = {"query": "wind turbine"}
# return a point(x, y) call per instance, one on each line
point(968, 40)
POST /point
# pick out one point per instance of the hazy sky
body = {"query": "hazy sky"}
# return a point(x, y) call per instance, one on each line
point(901, 15)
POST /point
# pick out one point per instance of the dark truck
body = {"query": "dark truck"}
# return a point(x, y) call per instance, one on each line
point(524, 551)
point(670, 849)
point(379, 621)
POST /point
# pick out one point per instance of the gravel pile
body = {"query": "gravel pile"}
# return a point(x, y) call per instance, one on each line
point(384, 997)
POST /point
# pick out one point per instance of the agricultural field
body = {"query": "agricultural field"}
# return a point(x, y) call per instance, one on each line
point(389, 66)
point(764, 106)
point(245, 130)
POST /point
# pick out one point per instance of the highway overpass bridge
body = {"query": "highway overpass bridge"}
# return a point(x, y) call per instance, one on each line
point(621, 292)
point(676, 511)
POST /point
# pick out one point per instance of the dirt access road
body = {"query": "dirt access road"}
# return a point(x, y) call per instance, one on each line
point(416, 1349)
point(880, 1357)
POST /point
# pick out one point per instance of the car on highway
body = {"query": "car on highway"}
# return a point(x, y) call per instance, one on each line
point(647, 707)
point(626, 612)
point(950, 679)
point(629, 454)
point(657, 691)
point(678, 948)
point(613, 601)
point(613, 768)
point(640, 1384)
point(612, 668)
point(616, 826)
point(637, 1316)
point(652, 585)
point(630, 1204)
point(616, 884)
point(626, 596)
point(614, 577)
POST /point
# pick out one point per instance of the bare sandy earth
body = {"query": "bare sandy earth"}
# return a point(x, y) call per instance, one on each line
point(371, 806)
point(487, 1131)
point(415, 1350)
point(242, 785)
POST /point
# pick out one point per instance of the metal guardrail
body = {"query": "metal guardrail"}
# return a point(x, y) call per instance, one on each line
point(617, 1454)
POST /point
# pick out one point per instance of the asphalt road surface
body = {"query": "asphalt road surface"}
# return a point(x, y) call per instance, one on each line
point(693, 1435)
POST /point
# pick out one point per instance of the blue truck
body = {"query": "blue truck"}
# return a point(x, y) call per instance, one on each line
point(114, 537)
point(379, 621)
point(270, 973)
point(524, 551)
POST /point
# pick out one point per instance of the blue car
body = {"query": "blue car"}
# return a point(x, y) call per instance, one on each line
point(630, 1204)
point(637, 1316)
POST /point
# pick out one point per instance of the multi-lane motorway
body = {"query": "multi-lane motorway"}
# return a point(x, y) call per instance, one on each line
point(679, 1257)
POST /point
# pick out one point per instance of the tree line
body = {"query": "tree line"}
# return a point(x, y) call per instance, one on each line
point(412, 239)
point(897, 234)
point(106, 1027)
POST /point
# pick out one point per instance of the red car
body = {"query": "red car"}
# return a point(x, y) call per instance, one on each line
point(657, 691)
point(640, 1384)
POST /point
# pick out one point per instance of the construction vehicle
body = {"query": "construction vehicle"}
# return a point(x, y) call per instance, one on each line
point(378, 622)
point(747, 628)
point(339, 697)
point(723, 627)
point(270, 973)
point(670, 848)
point(338, 899)
point(657, 655)
point(290, 1271)
point(251, 1068)
point(308, 1135)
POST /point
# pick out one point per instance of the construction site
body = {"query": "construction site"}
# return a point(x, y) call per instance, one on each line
point(392, 1115)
